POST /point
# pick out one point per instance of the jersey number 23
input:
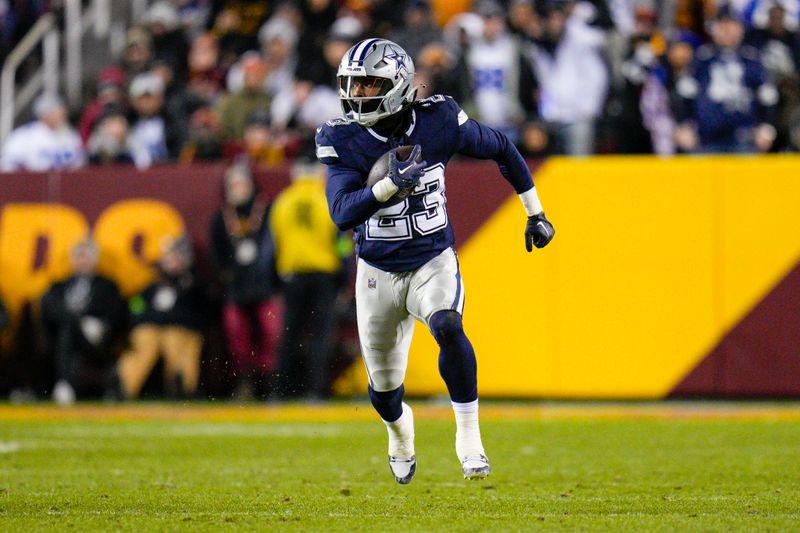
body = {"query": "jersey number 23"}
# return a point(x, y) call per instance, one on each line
point(395, 223)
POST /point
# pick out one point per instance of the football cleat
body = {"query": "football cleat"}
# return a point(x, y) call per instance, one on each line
point(475, 467)
point(403, 468)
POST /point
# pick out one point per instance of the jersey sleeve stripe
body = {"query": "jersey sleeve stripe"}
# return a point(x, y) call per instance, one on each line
point(462, 117)
point(326, 151)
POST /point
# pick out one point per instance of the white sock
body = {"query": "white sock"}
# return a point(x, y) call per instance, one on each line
point(401, 434)
point(468, 431)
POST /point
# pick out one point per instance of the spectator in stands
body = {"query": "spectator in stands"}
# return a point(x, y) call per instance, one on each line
point(178, 105)
point(204, 137)
point(631, 136)
point(239, 22)
point(312, 99)
point(731, 101)
point(151, 125)
point(566, 54)
point(193, 15)
point(110, 91)
point(520, 17)
point(82, 316)
point(317, 18)
point(168, 319)
point(309, 254)
point(278, 40)
point(111, 141)
point(495, 62)
point(167, 37)
point(261, 144)
point(322, 70)
point(234, 108)
point(418, 29)
point(138, 53)
point(241, 250)
point(779, 46)
point(777, 40)
point(315, 104)
point(47, 143)
point(661, 102)
point(206, 78)
point(443, 72)
point(534, 141)
point(760, 14)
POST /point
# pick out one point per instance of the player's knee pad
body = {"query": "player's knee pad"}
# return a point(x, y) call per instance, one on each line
point(389, 404)
point(387, 378)
point(446, 327)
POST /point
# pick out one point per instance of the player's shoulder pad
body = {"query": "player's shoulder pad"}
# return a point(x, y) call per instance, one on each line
point(441, 103)
point(332, 137)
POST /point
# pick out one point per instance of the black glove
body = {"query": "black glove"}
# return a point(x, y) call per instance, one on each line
point(538, 231)
point(406, 174)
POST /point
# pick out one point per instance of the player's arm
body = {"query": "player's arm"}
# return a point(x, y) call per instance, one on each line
point(482, 142)
point(349, 202)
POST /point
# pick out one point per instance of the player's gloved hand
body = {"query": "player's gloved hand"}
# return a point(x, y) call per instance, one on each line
point(538, 232)
point(406, 174)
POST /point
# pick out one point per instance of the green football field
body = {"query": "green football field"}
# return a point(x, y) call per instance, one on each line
point(556, 467)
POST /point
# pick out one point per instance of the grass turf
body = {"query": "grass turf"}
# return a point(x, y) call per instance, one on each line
point(86, 471)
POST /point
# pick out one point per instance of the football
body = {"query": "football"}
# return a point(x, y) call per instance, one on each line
point(381, 168)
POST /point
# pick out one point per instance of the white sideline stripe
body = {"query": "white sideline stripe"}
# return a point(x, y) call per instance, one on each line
point(326, 151)
point(9, 447)
point(202, 430)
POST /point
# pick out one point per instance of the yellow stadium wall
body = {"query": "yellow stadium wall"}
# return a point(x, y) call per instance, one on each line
point(653, 262)
point(656, 264)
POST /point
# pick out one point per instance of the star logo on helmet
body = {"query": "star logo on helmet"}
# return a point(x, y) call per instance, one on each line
point(398, 58)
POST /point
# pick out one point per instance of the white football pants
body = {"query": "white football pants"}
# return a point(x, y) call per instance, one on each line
point(387, 304)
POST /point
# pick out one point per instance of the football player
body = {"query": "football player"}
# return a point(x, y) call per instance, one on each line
point(407, 268)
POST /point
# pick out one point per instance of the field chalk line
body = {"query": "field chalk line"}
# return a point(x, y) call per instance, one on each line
point(426, 410)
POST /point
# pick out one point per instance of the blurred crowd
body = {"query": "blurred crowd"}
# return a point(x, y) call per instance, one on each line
point(267, 317)
point(249, 81)
point(219, 79)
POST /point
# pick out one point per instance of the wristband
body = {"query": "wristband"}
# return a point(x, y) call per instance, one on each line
point(384, 189)
point(530, 201)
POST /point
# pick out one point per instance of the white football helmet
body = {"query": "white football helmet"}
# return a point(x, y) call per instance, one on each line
point(375, 80)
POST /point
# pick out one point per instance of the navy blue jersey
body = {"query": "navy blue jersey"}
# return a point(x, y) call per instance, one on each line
point(407, 235)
